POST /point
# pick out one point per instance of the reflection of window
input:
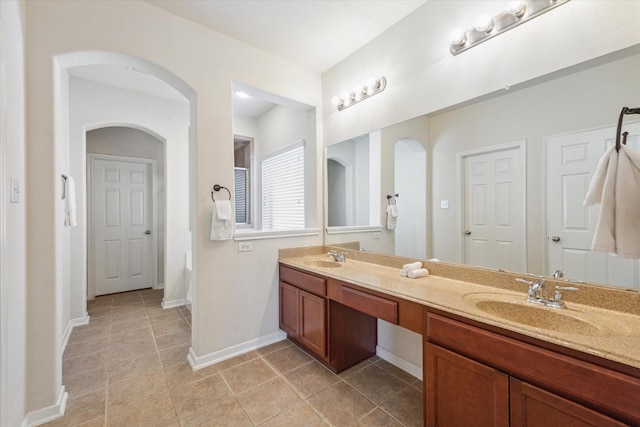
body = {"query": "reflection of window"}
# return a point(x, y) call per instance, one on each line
point(242, 195)
point(243, 149)
point(283, 189)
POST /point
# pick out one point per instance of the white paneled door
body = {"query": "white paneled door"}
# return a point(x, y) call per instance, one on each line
point(122, 223)
point(571, 160)
point(493, 210)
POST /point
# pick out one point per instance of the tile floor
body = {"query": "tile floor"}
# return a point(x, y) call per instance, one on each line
point(128, 368)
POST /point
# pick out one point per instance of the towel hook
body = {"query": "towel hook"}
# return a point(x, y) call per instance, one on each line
point(218, 188)
point(625, 110)
point(389, 197)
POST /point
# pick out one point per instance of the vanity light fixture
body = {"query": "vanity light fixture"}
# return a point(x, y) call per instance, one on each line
point(360, 93)
point(487, 26)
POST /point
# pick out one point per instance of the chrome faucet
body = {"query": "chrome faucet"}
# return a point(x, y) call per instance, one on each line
point(339, 257)
point(538, 293)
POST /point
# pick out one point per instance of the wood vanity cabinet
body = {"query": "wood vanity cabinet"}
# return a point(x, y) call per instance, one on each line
point(337, 335)
point(479, 377)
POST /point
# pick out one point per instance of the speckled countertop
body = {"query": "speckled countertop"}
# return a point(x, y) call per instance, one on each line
point(590, 328)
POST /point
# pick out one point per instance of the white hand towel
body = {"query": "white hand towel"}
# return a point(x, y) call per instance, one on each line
point(392, 216)
point(615, 184)
point(422, 272)
point(221, 229)
point(70, 208)
point(413, 266)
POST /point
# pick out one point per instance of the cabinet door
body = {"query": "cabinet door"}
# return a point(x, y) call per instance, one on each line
point(462, 392)
point(313, 323)
point(534, 407)
point(290, 310)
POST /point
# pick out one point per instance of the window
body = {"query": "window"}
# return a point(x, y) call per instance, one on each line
point(283, 189)
point(243, 154)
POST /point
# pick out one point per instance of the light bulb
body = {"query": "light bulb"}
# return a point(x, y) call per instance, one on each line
point(517, 8)
point(243, 95)
point(484, 23)
point(458, 37)
point(336, 100)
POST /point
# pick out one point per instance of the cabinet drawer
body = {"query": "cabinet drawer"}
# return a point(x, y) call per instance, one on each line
point(309, 283)
point(370, 304)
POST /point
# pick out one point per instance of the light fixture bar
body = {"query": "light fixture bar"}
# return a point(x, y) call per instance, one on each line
point(518, 13)
point(360, 94)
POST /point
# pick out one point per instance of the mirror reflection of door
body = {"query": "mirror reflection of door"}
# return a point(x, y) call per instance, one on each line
point(336, 194)
point(493, 208)
point(410, 181)
point(571, 160)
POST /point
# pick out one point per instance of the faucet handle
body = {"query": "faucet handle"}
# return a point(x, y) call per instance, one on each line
point(557, 296)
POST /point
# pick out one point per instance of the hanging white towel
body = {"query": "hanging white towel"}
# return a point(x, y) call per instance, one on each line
point(616, 184)
point(392, 216)
point(70, 208)
point(221, 227)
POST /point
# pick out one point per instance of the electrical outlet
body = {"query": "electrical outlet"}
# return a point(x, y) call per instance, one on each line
point(245, 246)
point(444, 204)
point(376, 235)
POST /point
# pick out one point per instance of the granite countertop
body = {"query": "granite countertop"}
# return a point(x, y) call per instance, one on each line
point(606, 333)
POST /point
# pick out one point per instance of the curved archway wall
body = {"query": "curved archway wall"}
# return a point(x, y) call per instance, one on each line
point(96, 106)
point(201, 64)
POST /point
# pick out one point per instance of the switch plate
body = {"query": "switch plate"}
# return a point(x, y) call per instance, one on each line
point(444, 204)
point(376, 235)
point(15, 191)
point(245, 246)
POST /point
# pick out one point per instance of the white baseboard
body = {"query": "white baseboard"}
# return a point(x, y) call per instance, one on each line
point(408, 367)
point(199, 362)
point(47, 414)
point(80, 321)
point(173, 303)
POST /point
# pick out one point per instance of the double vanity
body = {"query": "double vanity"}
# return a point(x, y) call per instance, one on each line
point(490, 358)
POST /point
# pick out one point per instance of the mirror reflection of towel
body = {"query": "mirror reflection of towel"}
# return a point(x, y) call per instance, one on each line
point(221, 226)
point(392, 216)
point(616, 184)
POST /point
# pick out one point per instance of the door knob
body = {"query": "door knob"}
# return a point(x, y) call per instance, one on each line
point(147, 232)
point(556, 239)
point(468, 232)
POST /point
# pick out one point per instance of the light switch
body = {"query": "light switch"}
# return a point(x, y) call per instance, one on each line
point(15, 191)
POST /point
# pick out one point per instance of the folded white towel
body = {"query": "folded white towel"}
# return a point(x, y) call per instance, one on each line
point(434, 260)
point(70, 208)
point(221, 229)
point(413, 266)
point(404, 272)
point(392, 216)
point(418, 273)
point(615, 184)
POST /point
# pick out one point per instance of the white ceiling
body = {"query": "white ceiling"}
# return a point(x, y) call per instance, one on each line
point(315, 33)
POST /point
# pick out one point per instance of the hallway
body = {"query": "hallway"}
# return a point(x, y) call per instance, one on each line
point(128, 368)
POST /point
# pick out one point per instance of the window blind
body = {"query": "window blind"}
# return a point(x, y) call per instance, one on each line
point(283, 189)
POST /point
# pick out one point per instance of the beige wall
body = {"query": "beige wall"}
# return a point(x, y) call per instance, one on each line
point(206, 62)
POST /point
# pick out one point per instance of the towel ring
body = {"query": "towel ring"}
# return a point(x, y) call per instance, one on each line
point(389, 197)
point(218, 188)
point(625, 110)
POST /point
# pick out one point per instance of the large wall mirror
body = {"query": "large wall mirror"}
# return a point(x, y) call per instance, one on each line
point(520, 161)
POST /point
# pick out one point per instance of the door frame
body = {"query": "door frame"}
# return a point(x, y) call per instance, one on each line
point(461, 156)
point(91, 159)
